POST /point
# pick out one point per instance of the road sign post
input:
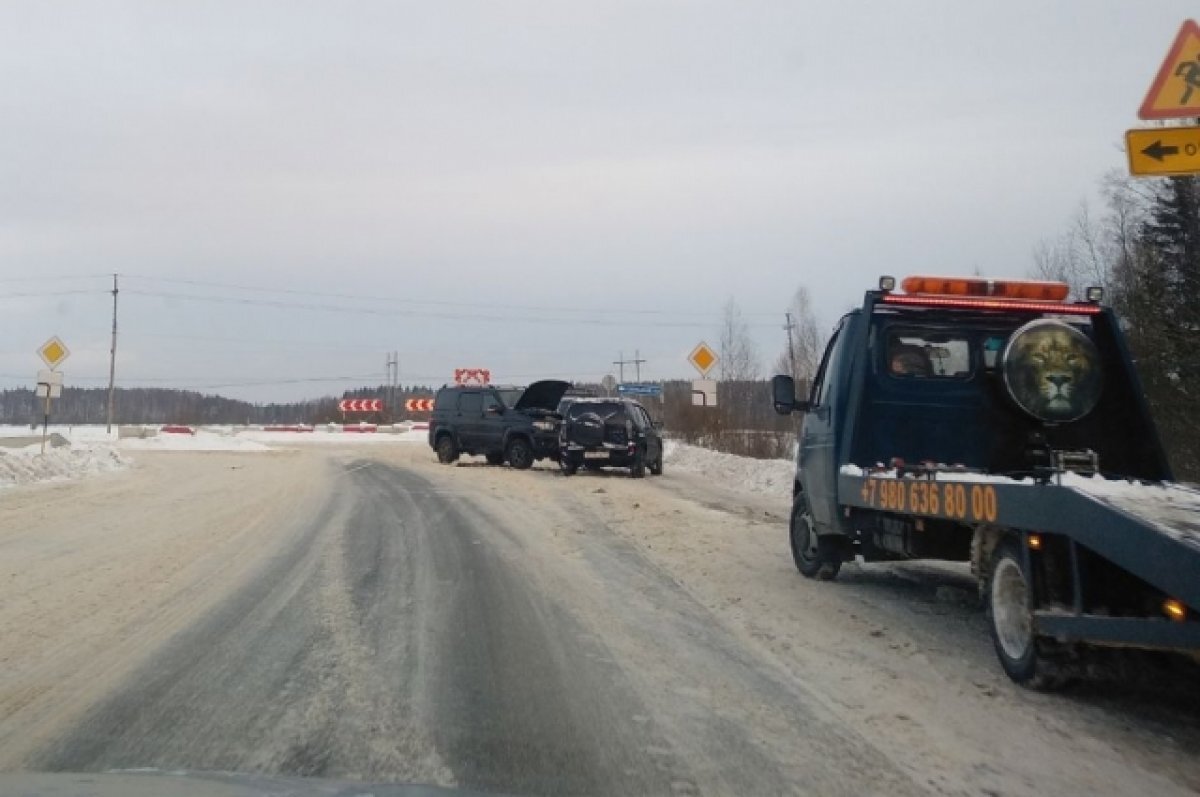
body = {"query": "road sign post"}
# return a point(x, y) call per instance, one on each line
point(49, 383)
point(49, 386)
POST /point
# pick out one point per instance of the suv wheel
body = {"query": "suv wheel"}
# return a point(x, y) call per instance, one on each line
point(447, 451)
point(568, 465)
point(638, 469)
point(519, 454)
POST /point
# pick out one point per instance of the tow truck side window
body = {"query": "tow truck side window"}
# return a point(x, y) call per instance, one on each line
point(819, 389)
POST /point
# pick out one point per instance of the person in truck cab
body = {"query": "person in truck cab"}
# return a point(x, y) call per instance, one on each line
point(908, 360)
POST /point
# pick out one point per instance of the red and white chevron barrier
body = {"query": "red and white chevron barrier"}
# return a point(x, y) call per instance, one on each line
point(361, 405)
point(419, 405)
point(468, 376)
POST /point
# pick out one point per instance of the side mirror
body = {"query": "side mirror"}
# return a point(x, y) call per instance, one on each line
point(658, 425)
point(783, 396)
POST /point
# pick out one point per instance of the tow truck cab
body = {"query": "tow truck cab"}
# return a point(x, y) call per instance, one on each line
point(918, 380)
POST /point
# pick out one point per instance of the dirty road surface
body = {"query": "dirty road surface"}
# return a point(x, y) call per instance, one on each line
point(368, 614)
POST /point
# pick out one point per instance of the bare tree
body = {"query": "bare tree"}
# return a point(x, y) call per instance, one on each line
point(1081, 256)
point(739, 356)
point(805, 342)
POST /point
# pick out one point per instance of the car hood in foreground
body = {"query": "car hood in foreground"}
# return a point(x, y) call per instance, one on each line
point(157, 783)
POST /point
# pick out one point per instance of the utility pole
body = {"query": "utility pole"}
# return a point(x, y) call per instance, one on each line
point(637, 364)
point(788, 327)
point(112, 359)
point(393, 378)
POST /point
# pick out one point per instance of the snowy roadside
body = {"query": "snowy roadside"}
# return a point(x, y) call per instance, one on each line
point(27, 465)
point(771, 477)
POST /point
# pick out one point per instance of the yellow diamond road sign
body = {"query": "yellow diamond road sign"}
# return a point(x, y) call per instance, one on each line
point(703, 358)
point(53, 352)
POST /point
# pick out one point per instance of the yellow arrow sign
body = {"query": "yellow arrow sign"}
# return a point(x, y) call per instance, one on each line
point(1163, 151)
point(1175, 91)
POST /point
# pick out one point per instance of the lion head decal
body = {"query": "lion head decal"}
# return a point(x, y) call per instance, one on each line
point(1052, 371)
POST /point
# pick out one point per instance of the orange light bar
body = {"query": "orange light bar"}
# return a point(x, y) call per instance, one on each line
point(1029, 290)
point(992, 304)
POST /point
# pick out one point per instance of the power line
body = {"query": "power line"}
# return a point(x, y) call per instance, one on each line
point(333, 308)
point(45, 294)
point(55, 278)
point(408, 300)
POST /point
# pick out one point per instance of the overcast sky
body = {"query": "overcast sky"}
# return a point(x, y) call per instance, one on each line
point(529, 187)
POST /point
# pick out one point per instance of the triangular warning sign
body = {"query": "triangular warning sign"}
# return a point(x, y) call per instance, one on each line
point(1175, 92)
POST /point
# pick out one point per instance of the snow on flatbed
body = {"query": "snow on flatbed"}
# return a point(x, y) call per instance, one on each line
point(1174, 509)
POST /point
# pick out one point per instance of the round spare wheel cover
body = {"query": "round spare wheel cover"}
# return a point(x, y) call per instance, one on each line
point(1052, 371)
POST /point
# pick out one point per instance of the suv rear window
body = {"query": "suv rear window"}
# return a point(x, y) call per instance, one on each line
point(606, 410)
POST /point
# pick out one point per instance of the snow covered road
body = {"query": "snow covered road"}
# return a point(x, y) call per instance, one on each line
point(363, 612)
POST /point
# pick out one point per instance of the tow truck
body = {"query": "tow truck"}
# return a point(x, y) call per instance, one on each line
point(997, 423)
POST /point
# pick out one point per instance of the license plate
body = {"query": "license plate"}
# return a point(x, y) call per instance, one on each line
point(595, 455)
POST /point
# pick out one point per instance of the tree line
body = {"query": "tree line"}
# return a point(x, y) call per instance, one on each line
point(153, 405)
point(1143, 248)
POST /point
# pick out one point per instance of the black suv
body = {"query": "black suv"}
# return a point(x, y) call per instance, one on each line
point(517, 425)
point(617, 432)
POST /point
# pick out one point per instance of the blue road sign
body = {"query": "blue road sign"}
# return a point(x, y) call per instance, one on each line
point(639, 390)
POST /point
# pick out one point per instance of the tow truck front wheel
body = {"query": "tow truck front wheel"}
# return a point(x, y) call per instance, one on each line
point(1026, 659)
point(811, 560)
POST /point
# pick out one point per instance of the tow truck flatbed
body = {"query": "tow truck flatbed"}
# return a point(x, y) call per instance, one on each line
point(1152, 530)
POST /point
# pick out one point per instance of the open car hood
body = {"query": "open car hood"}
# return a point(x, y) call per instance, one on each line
point(543, 395)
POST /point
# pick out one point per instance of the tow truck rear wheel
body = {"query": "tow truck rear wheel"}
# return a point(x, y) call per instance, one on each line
point(1028, 660)
point(811, 560)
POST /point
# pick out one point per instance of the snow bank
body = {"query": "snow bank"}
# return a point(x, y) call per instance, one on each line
point(766, 476)
point(202, 440)
point(27, 465)
point(321, 436)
